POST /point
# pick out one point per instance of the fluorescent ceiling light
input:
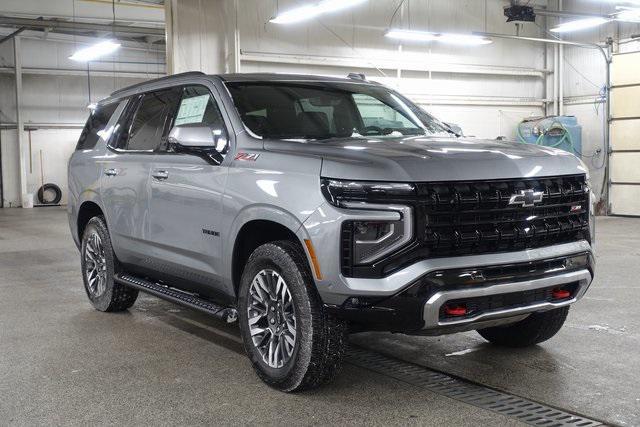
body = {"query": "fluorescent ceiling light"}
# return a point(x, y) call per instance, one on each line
point(96, 51)
point(421, 36)
point(580, 24)
point(426, 36)
point(305, 13)
point(627, 14)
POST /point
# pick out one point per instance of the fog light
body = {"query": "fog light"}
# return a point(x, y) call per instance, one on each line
point(455, 310)
point(560, 294)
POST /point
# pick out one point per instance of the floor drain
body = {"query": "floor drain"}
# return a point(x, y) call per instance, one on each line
point(523, 410)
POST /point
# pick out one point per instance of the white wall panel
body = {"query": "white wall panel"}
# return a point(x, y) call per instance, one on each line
point(56, 146)
point(624, 168)
point(625, 135)
point(624, 102)
point(625, 69)
point(625, 199)
point(10, 172)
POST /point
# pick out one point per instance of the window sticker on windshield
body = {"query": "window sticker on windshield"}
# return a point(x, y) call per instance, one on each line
point(192, 110)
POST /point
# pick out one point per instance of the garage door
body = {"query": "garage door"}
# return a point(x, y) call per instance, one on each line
point(624, 164)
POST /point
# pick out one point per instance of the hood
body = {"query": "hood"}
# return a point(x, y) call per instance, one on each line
point(413, 159)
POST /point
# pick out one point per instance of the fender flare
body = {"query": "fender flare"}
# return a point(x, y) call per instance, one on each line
point(262, 212)
point(88, 195)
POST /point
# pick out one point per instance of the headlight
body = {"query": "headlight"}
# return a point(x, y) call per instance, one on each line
point(339, 192)
point(367, 240)
point(372, 240)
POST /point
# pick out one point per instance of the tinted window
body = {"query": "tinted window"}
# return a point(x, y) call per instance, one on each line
point(376, 114)
point(287, 110)
point(95, 126)
point(199, 108)
point(149, 121)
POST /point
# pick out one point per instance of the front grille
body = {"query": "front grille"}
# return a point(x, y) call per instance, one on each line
point(465, 218)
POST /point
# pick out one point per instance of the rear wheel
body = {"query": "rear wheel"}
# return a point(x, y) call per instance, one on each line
point(99, 264)
point(291, 341)
point(536, 328)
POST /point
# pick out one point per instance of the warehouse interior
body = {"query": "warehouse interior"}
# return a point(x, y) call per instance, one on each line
point(506, 69)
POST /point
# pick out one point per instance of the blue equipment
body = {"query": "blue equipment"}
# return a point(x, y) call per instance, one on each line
point(561, 132)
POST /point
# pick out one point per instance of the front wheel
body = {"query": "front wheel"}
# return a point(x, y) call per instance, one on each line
point(534, 329)
point(291, 341)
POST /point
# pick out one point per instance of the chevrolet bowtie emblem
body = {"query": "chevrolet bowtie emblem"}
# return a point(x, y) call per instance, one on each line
point(526, 198)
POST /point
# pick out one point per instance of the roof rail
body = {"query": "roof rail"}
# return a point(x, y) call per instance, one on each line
point(161, 79)
point(357, 76)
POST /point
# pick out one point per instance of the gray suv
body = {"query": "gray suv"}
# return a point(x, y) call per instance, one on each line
point(306, 208)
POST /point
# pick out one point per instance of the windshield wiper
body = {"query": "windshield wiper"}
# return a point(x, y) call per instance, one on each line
point(448, 128)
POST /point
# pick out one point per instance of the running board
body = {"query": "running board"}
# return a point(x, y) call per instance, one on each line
point(177, 296)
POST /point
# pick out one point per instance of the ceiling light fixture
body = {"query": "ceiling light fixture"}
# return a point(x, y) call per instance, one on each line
point(449, 38)
point(96, 51)
point(421, 36)
point(580, 24)
point(305, 13)
point(627, 14)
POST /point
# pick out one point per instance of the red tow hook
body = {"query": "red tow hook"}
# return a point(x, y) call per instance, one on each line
point(455, 310)
point(560, 294)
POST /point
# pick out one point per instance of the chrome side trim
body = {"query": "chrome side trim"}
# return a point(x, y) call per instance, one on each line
point(432, 306)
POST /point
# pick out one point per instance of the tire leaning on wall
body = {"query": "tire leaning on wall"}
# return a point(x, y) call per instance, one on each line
point(49, 187)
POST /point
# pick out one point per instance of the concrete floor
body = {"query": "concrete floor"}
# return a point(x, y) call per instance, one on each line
point(61, 362)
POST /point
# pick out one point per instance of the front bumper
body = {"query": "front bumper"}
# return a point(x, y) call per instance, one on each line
point(496, 294)
point(432, 308)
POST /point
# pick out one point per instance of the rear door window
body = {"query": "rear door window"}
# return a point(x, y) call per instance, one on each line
point(95, 126)
point(149, 123)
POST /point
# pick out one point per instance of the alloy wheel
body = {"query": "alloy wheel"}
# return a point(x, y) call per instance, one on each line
point(272, 318)
point(95, 265)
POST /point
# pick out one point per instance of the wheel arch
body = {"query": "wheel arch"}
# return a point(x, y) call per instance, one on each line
point(86, 211)
point(256, 226)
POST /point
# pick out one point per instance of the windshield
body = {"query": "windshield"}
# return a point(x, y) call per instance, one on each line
point(287, 110)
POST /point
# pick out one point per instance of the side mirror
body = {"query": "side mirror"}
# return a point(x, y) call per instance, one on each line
point(192, 136)
point(202, 141)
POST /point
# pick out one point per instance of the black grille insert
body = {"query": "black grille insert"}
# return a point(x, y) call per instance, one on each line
point(464, 218)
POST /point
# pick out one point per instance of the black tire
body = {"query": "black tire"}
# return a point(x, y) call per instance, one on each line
point(114, 297)
point(536, 328)
point(320, 338)
point(50, 187)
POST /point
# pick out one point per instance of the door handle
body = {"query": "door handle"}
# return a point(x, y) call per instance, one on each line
point(160, 175)
point(111, 172)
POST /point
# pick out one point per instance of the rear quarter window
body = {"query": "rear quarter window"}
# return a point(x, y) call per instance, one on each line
point(96, 123)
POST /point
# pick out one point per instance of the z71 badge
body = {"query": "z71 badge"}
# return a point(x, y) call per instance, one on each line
point(247, 157)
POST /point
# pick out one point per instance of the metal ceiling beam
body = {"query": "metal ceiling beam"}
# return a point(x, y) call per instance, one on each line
point(12, 35)
point(53, 25)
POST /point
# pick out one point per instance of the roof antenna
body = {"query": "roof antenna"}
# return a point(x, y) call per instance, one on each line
point(357, 76)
